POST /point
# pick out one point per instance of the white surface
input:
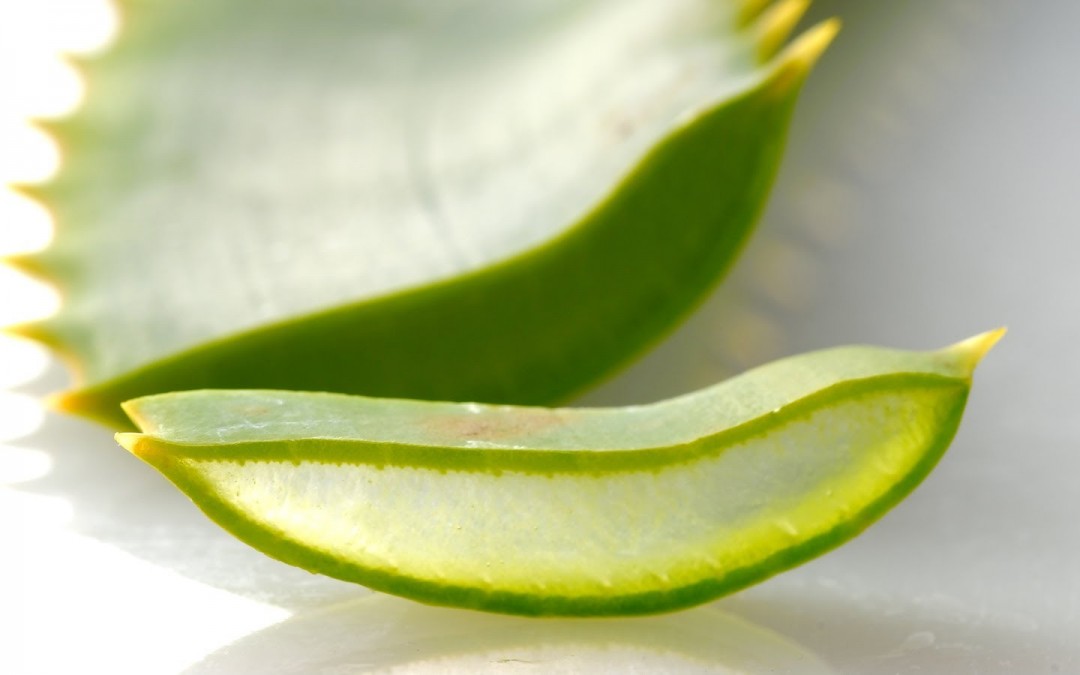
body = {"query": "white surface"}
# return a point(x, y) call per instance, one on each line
point(929, 193)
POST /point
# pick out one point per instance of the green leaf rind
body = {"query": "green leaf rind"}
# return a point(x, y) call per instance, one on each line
point(943, 377)
point(536, 328)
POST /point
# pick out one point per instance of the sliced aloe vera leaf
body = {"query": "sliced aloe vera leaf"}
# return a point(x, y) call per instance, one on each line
point(543, 511)
point(464, 201)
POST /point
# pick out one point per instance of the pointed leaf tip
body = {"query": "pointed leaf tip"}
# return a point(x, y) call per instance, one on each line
point(35, 331)
point(776, 25)
point(975, 348)
point(795, 61)
point(131, 409)
point(55, 402)
point(130, 442)
point(86, 403)
point(805, 51)
point(750, 10)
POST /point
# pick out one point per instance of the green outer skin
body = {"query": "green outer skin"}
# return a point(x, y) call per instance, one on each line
point(533, 329)
point(160, 455)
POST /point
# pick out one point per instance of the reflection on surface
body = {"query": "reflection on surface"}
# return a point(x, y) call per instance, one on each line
point(81, 606)
point(380, 633)
point(21, 361)
point(18, 465)
point(868, 631)
point(20, 415)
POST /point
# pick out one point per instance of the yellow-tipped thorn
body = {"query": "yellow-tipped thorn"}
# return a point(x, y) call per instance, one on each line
point(55, 401)
point(58, 128)
point(131, 410)
point(750, 10)
point(32, 264)
point(798, 58)
point(775, 26)
point(87, 403)
point(35, 331)
point(808, 47)
point(129, 440)
point(975, 348)
point(39, 193)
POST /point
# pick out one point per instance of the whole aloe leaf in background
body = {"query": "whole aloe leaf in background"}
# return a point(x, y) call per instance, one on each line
point(463, 200)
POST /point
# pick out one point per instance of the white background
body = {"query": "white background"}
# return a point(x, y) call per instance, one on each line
point(930, 192)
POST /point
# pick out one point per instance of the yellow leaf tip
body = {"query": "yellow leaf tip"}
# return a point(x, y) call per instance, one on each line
point(808, 47)
point(140, 445)
point(750, 9)
point(776, 25)
point(67, 402)
point(130, 442)
point(71, 402)
point(796, 60)
point(28, 263)
point(90, 405)
point(56, 402)
point(131, 409)
point(975, 348)
point(40, 331)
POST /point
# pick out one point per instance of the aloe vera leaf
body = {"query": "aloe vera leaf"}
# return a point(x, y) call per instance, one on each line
point(542, 511)
point(467, 201)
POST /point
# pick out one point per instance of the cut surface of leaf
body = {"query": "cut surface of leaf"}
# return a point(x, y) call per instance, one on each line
point(542, 511)
point(464, 201)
